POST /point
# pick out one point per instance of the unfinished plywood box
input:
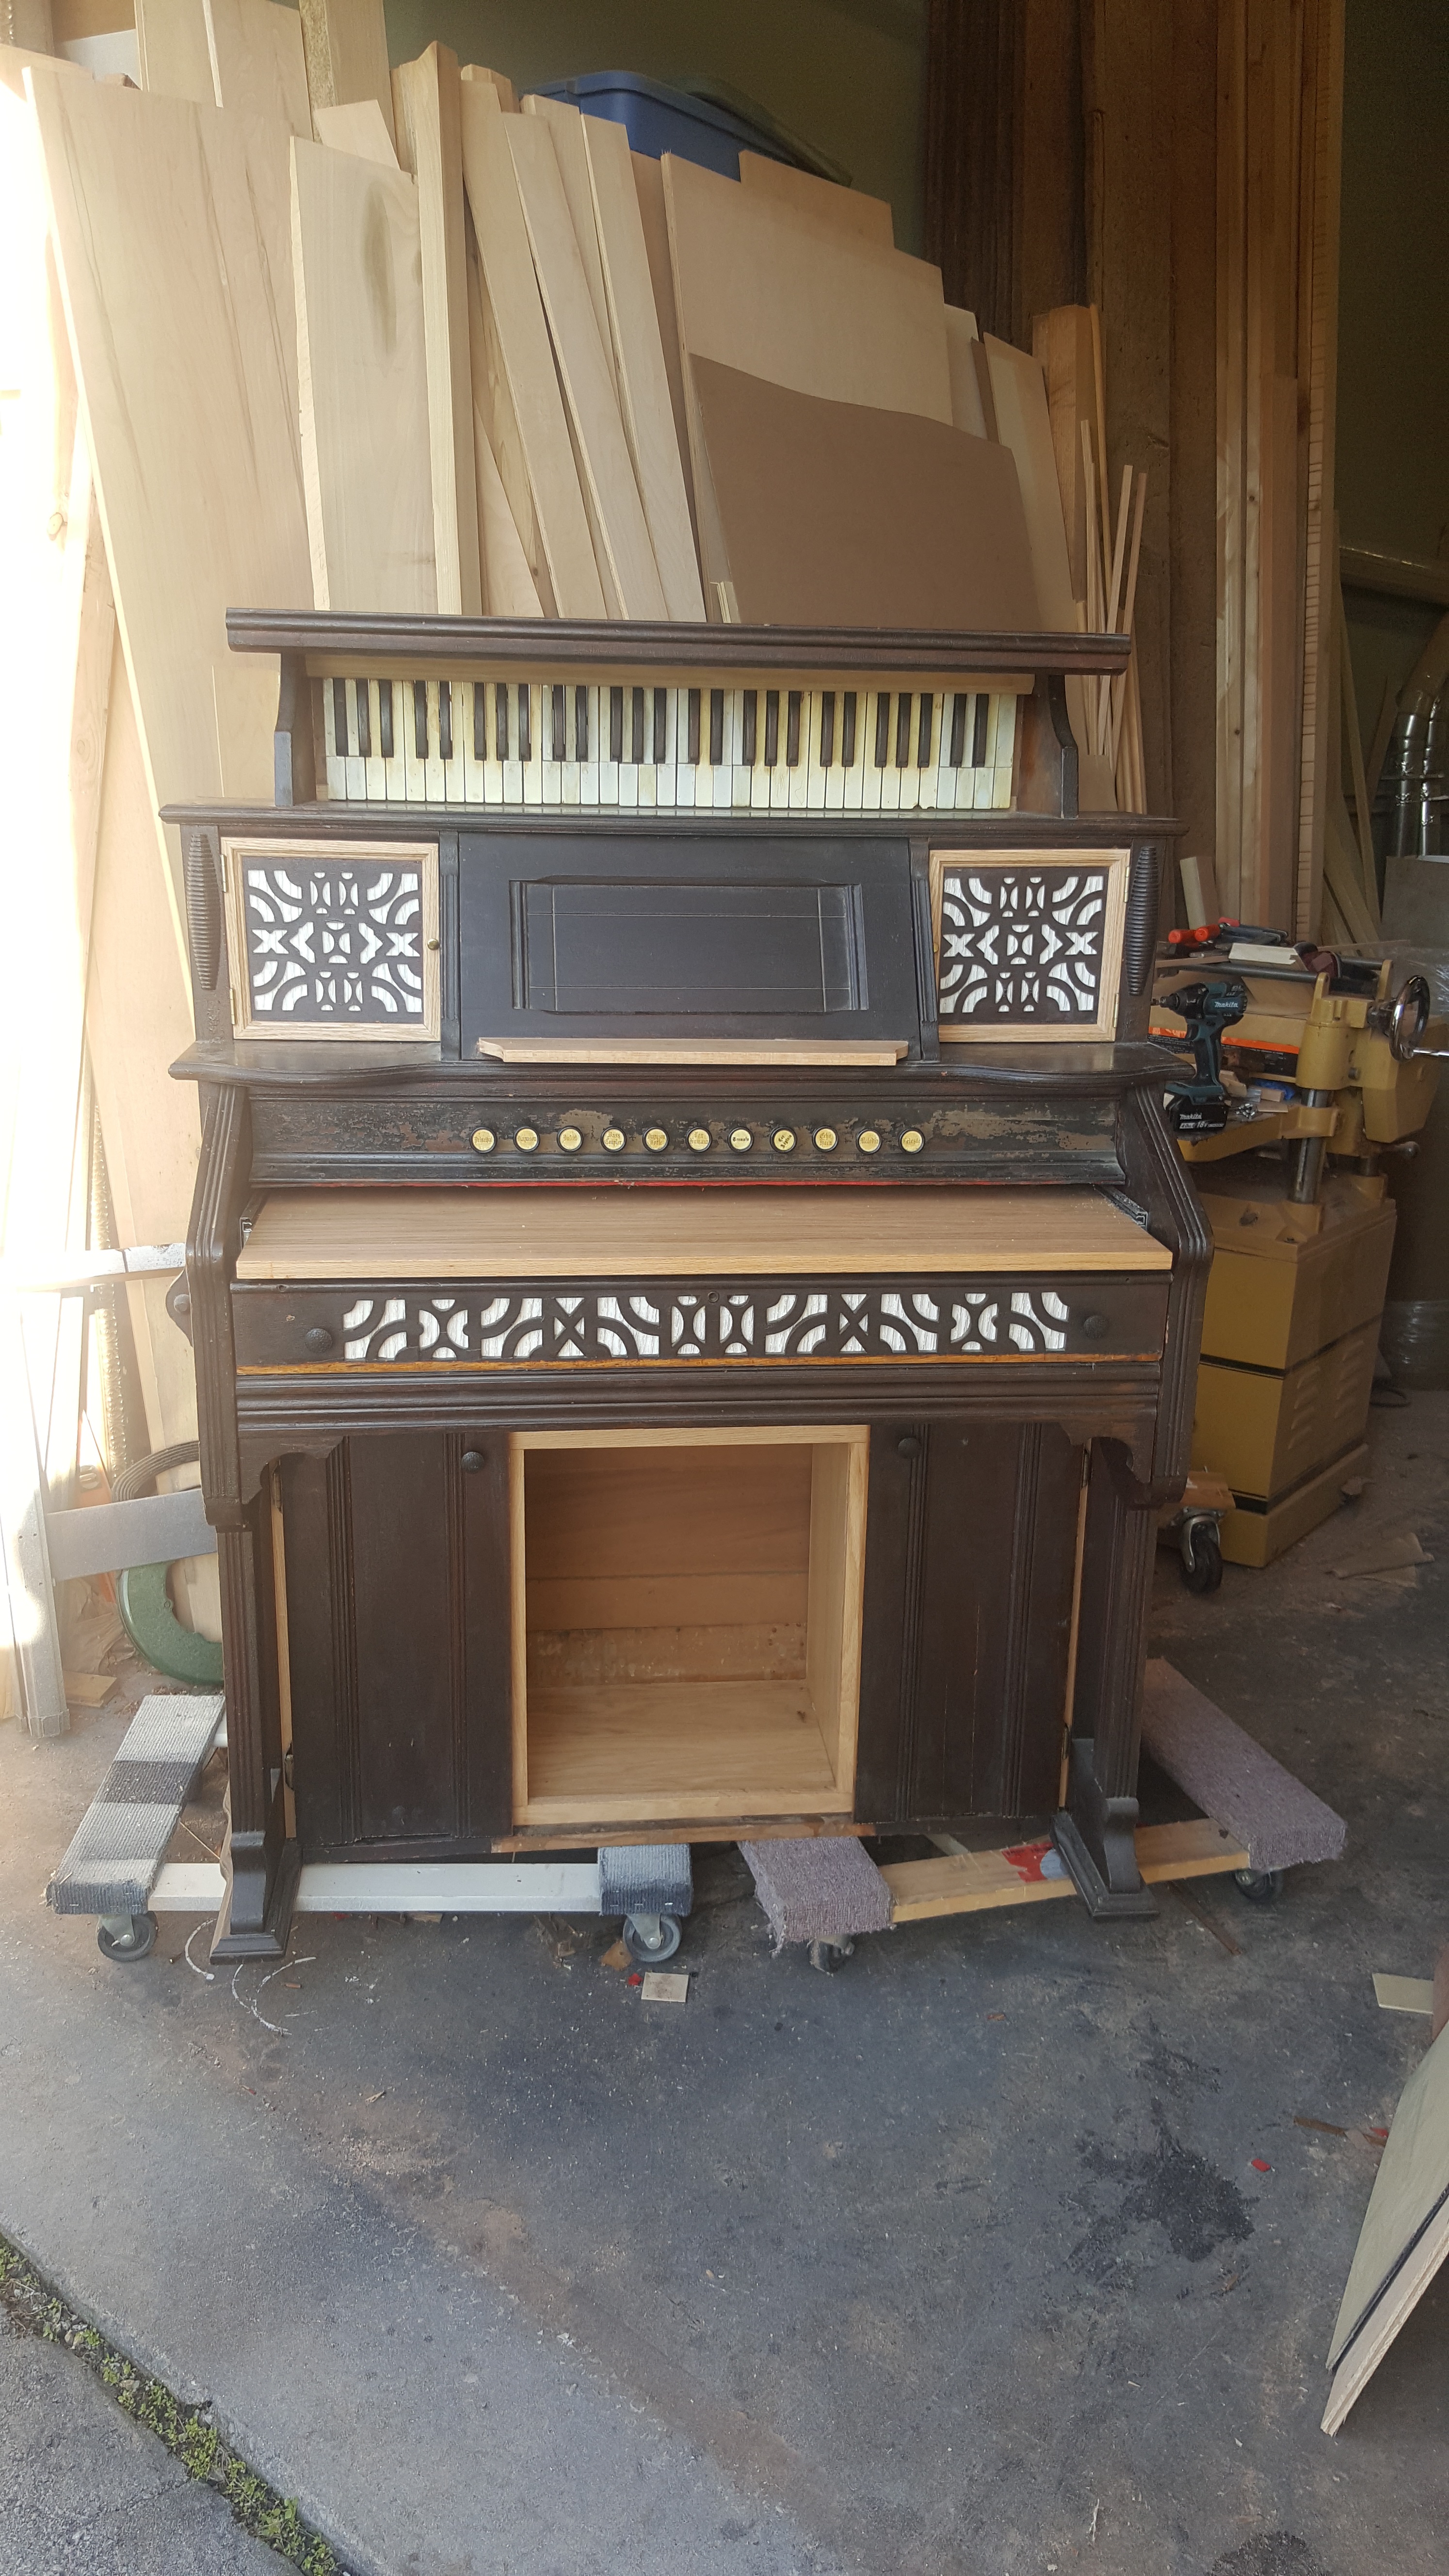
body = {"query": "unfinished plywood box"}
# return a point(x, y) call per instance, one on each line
point(687, 1620)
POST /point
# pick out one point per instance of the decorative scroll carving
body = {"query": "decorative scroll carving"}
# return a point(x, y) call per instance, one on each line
point(775, 1320)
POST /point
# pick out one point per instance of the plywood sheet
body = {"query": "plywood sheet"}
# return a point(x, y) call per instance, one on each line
point(172, 48)
point(428, 95)
point(643, 385)
point(171, 233)
point(587, 377)
point(257, 63)
point(833, 514)
point(1405, 2235)
point(1023, 424)
point(961, 343)
point(363, 391)
point(868, 218)
point(359, 126)
point(517, 314)
point(558, 1234)
point(345, 42)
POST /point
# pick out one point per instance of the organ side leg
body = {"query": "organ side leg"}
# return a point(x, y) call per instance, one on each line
point(1096, 1830)
point(260, 1863)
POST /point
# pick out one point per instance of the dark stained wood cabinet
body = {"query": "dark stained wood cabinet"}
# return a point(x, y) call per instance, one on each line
point(695, 1307)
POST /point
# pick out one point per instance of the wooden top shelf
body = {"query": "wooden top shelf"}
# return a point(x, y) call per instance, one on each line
point(542, 1233)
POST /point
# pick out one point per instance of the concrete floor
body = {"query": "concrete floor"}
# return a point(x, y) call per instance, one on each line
point(955, 2264)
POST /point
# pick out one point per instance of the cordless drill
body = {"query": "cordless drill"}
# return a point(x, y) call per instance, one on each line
point(1198, 1106)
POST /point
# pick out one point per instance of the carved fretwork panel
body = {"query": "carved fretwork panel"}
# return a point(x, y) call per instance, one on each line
point(339, 942)
point(1030, 946)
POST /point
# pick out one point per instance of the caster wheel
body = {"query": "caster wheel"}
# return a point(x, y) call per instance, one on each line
point(827, 1955)
point(1260, 1886)
point(126, 1936)
point(1202, 1556)
point(651, 1938)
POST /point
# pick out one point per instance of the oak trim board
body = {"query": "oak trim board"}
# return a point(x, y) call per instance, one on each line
point(586, 372)
point(575, 1232)
point(491, 186)
point(621, 1051)
point(428, 97)
point(363, 384)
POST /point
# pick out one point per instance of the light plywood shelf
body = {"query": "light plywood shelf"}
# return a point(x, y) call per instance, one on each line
point(721, 1748)
point(543, 1233)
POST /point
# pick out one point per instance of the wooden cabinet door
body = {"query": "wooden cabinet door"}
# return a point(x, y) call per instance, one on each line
point(970, 1568)
point(396, 1547)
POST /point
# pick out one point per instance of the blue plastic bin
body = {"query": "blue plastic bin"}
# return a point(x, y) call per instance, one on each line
point(658, 120)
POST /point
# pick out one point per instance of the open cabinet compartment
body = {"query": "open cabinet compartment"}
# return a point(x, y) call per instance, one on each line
point(686, 1623)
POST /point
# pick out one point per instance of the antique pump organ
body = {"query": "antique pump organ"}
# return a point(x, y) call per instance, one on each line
point(695, 1302)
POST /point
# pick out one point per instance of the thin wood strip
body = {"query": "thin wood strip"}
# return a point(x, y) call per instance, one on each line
point(578, 1232)
point(1121, 689)
point(428, 96)
point(1362, 816)
point(566, 132)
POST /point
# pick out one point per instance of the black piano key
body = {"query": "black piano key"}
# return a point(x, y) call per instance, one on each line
point(339, 718)
point(750, 705)
point(692, 755)
point(480, 720)
point(500, 721)
point(420, 718)
point(925, 730)
point(616, 724)
point(978, 735)
point(581, 724)
point(384, 718)
point(364, 722)
point(560, 724)
point(716, 727)
point(903, 728)
point(792, 730)
point(772, 727)
point(827, 729)
point(661, 724)
point(958, 729)
point(847, 730)
point(445, 718)
point(525, 723)
point(883, 729)
point(636, 729)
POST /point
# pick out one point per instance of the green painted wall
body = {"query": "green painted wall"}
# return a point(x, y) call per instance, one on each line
point(844, 74)
point(1393, 354)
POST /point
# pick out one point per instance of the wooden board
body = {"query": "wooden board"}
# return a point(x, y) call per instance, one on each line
point(866, 218)
point(358, 127)
point(569, 1233)
point(1023, 423)
point(496, 419)
point(723, 1748)
point(364, 392)
point(587, 377)
point(654, 219)
point(941, 542)
point(509, 589)
point(172, 49)
point(345, 42)
point(967, 411)
point(977, 1882)
point(171, 231)
point(498, 82)
point(566, 131)
point(427, 96)
point(1062, 345)
point(1405, 2234)
point(780, 1051)
point(257, 62)
point(643, 385)
point(527, 358)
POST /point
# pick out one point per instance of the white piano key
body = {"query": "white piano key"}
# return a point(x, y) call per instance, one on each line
point(374, 782)
point(457, 735)
point(533, 766)
point(355, 771)
point(390, 693)
point(436, 776)
point(334, 762)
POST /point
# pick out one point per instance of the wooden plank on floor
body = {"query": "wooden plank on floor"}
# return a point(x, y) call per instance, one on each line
point(517, 313)
point(363, 391)
point(427, 97)
point(587, 377)
point(643, 383)
point(969, 1882)
point(345, 43)
point(849, 209)
point(171, 232)
point(358, 127)
point(257, 63)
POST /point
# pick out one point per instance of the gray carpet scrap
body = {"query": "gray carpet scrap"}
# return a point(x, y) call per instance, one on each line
point(1277, 1820)
point(822, 1888)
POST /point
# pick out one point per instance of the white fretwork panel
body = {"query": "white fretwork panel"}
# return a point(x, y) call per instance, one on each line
point(775, 1321)
point(333, 942)
point(1028, 947)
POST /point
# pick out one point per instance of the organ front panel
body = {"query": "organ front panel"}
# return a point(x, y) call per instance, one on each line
point(694, 1299)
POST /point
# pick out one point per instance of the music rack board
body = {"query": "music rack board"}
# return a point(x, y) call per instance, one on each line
point(626, 747)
